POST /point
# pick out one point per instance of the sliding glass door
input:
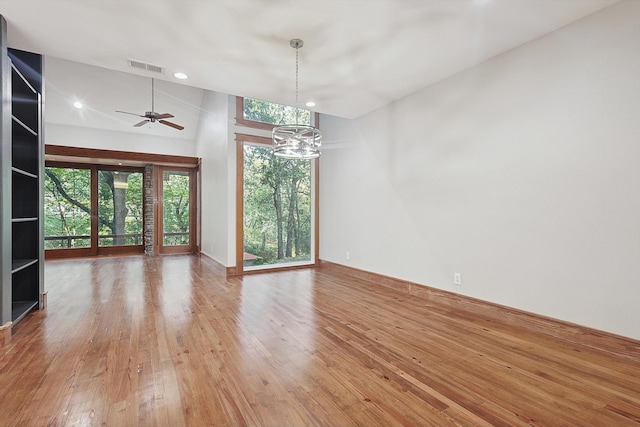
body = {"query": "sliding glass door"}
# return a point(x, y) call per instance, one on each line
point(119, 208)
point(176, 210)
point(93, 210)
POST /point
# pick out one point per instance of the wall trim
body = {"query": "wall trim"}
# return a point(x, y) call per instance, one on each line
point(559, 329)
point(5, 333)
point(219, 267)
point(64, 153)
point(233, 271)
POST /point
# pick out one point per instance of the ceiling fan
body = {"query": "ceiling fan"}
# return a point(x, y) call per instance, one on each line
point(152, 116)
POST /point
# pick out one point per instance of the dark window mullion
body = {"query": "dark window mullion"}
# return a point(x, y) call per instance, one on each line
point(94, 210)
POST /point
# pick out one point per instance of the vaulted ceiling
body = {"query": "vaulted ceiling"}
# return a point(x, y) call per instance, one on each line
point(358, 54)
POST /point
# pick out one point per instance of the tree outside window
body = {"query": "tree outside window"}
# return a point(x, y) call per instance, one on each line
point(68, 208)
point(278, 222)
point(277, 114)
point(277, 208)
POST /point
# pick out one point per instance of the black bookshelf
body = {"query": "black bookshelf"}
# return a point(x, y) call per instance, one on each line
point(26, 200)
point(22, 168)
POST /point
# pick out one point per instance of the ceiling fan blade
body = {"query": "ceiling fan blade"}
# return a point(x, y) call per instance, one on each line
point(142, 123)
point(173, 125)
point(164, 116)
point(125, 112)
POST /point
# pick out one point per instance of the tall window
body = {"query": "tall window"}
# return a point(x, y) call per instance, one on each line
point(277, 208)
point(277, 198)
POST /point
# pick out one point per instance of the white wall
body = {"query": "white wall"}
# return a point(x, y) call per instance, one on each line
point(522, 174)
point(216, 146)
point(212, 143)
point(84, 137)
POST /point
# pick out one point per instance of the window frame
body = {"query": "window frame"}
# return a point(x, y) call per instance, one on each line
point(76, 252)
point(85, 158)
point(241, 121)
point(95, 249)
point(241, 140)
point(192, 247)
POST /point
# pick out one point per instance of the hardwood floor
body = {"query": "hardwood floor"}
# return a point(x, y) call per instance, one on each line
point(170, 341)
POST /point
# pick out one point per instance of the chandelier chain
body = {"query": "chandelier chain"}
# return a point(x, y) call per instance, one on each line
point(296, 141)
point(297, 109)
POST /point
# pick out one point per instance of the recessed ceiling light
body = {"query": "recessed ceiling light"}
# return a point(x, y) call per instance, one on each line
point(77, 104)
point(181, 76)
point(310, 104)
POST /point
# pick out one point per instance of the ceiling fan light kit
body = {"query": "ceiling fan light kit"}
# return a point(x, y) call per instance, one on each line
point(296, 141)
point(152, 116)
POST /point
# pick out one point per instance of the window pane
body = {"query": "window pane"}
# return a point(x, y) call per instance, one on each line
point(277, 208)
point(119, 208)
point(175, 208)
point(67, 208)
point(277, 114)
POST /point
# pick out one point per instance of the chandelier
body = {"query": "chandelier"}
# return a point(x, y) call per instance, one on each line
point(296, 141)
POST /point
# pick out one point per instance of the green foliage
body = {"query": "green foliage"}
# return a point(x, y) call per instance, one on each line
point(176, 208)
point(62, 217)
point(67, 206)
point(277, 207)
point(277, 193)
point(120, 208)
point(277, 114)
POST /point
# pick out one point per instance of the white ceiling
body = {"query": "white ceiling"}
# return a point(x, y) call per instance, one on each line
point(358, 55)
point(104, 91)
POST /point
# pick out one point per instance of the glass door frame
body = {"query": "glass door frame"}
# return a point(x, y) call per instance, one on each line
point(123, 249)
point(193, 246)
point(94, 249)
point(241, 141)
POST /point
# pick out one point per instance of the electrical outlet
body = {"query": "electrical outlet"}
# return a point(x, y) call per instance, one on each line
point(457, 279)
point(347, 256)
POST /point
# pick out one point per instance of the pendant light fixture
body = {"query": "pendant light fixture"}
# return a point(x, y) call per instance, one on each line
point(296, 141)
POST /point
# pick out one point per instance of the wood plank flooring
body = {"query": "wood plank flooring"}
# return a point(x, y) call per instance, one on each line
point(170, 341)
